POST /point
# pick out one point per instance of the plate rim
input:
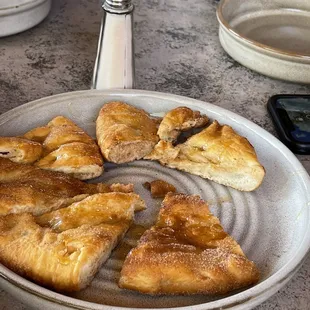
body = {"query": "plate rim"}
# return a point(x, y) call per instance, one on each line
point(248, 295)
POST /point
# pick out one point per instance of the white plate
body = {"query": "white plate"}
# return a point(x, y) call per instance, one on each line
point(270, 37)
point(271, 223)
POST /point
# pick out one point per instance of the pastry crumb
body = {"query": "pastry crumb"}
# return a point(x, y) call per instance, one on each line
point(159, 188)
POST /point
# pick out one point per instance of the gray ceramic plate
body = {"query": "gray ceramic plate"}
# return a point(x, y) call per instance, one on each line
point(271, 37)
point(271, 223)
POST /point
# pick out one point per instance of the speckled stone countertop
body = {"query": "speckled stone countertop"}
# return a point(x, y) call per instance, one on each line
point(177, 51)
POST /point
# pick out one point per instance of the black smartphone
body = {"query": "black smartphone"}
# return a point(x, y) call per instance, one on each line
point(291, 117)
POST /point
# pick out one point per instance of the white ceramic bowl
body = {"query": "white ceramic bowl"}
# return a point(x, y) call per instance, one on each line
point(19, 15)
point(272, 224)
point(270, 37)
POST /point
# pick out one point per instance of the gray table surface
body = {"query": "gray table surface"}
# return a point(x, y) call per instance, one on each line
point(177, 51)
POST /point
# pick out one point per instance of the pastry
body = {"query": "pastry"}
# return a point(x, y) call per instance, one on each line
point(125, 133)
point(67, 148)
point(80, 160)
point(37, 134)
point(63, 250)
point(180, 119)
point(20, 150)
point(217, 153)
point(108, 207)
point(159, 188)
point(26, 188)
point(187, 252)
point(64, 131)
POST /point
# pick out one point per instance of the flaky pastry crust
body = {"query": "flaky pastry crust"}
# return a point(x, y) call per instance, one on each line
point(26, 188)
point(125, 133)
point(186, 252)
point(180, 119)
point(64, 249)
point(67, 148)
point(217, 153)
point(20, 150)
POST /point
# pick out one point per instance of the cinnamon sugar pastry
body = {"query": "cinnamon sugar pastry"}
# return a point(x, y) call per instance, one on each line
point(26, 188)
point(217, 153)
point(63, 250)
point(187, 252)
point(67, 148)
point(125, 133)
point(20, 150)
point(80, 160)
point(64, 131)
point(180, 119)
point(38, 134)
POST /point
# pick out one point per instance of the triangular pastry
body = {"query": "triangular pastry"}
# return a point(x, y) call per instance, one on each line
point(217, 153)
point(59, 131)
point(26, 188)
point(186, 252)
point(67, 148)
point(64, 249)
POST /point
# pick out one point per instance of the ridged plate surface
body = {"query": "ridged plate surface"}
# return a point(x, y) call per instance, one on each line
point(271, 224)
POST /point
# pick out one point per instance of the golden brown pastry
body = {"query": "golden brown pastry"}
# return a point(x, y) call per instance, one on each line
point(81, 160)
point(20, 150)
point(67, 148)
point(63, 250)
point(125, 133)
point(187, 252)
point(108, 207)
point(26, 188)
point(180, 119)
point(38, 134)
point(159, 188)
point(64, 131)
point(217, 153)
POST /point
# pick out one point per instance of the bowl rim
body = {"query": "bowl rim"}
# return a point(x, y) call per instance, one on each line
point(224, 23)
point(249, 295)
point(15, 9)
